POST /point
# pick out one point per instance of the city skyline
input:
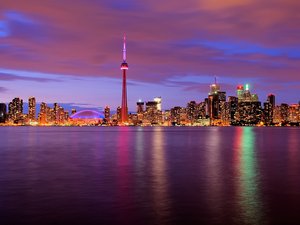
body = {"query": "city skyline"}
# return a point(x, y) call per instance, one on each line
point(175, 51)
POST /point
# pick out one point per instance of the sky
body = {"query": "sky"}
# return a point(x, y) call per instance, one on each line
point(70, 51)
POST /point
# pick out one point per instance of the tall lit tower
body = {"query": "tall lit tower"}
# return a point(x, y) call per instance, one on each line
point(31, 108)
point(124, 67)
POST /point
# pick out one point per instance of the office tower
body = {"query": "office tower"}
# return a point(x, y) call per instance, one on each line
point(247, 94)
point(269, 109)
point(284, 113)
point(175, 115)
point(140, 106)
point(31, 108)
point(214, 88)
point(192, 111)
point(216, 98)
point(42, 117)
point(240, 92)
point(268, 113)
point(55, 116)
point(248, 113)
point(152, 114)
point(201, 110)
point(158, 101)
point(107, 113)
point(124, 68)
point(233, 105)
point(15, 109)
point(2, 112)
point(294, 114)
point(119, 114)
point(271, 100)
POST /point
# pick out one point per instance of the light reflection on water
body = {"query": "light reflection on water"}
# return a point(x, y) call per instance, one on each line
point(159, 173)
point(214, 171)
point(136, 175)
point(248, 183)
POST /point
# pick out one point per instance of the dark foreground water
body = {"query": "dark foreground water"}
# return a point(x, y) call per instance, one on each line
point(133, 175)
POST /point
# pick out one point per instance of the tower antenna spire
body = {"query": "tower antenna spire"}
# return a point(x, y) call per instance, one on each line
point(215, 80)
point(124, 48)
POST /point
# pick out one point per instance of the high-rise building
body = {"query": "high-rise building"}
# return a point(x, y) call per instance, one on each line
point(240, 92)
point(124, 68)
point(268, 113)
point(214, 88)
point(107, 113)
point(140, 106)
point(192, 111)
point(152, 114)
point(294, 114)
point(15, 109)
point(248, 113)
point(119, 114)
point(284, 113)
point(216, 98)
point(269, 109)
point(175, 115)
point(213, 106)
point(233, 105)
point(31, 108)
point(2, 112)
point(271, 100)
point(42, 117)
point(158, 101)
point(247, 95)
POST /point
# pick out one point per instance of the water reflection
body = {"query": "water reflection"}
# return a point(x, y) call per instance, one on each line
point(293, 144)
point(249, 200)
point(214, 170)
point(159, 173)
point(293, 164)
point(123, 185)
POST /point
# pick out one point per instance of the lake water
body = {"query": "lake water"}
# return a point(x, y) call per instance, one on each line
point(151, 175)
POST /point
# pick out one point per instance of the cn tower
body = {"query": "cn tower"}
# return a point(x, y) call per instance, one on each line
point(124, 68)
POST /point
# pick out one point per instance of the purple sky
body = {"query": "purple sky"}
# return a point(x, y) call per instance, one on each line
point(70, 51)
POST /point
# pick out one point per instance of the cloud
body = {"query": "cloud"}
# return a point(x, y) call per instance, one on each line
point(2, 89)
point(10, 77)
point(166, 39)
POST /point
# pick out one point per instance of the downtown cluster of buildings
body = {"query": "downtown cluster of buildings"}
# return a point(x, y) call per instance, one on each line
point(14, 115)
point(244, 109)
point(217, 109)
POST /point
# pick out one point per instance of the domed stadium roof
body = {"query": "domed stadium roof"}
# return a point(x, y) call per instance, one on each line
point(87, 114)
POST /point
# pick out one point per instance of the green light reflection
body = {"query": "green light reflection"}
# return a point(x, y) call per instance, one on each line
point(249, 196)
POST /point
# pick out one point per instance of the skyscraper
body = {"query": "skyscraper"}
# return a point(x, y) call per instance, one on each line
point(124, 68)
point(42, 117)
point(31, 108)
point(158, 100)
point(271, 100)
point(15, 109)
point(215, 98)
point(107, 113)
point(140, 106)
point(233, 105)
point(214, 88)
point(2, 112)
point(240, 92)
